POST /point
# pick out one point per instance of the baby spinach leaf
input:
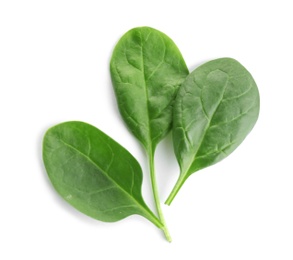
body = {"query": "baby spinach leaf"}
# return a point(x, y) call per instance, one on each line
point(216, 107)
point(93, 173)
point(147, 69)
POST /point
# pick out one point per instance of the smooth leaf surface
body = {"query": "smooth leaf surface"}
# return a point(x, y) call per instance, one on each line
point(94, 173)
point(216, 107)
point(146, 69)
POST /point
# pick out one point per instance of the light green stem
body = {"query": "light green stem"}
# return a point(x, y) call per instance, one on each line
point(156, 196)
point(176, 188)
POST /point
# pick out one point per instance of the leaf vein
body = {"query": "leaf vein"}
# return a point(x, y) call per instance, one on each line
point(208, 125)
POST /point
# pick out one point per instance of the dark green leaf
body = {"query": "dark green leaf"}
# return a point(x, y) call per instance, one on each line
point(216, 107)
point(147, 69)
point(93, 173)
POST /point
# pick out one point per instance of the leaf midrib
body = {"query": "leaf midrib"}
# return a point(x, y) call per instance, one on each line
point(150, 146)
point(208, 126)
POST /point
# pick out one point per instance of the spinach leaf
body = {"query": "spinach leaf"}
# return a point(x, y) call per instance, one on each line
point(216, 107)
point(93, 173)
point(147, 69)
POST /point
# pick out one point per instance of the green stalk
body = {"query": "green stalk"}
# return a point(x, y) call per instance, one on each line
point(156, 196)
point(176, 188)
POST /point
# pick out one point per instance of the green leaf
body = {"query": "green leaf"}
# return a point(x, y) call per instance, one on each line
point(216, 107)
point(93, 173)
point(146, 69)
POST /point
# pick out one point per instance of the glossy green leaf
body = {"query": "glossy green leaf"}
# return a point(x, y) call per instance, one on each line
point(216, 107)
point(93, 173)
point(146, 69)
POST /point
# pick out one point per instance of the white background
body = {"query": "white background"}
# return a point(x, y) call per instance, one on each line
point(54, 67)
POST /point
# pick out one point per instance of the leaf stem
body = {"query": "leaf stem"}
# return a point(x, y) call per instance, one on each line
point(176, 188)
point(156, 196)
